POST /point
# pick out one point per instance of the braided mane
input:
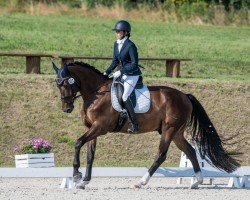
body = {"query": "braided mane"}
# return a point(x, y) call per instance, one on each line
point(86, 65)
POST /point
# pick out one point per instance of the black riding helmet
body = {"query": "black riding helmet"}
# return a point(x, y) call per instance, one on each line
point(122, 25)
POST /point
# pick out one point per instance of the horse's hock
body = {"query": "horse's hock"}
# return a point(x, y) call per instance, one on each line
point(33, 61)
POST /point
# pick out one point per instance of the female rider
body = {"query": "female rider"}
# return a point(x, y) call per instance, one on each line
point(125, 53)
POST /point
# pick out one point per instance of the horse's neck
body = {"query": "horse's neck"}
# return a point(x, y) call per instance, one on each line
point(90, 81)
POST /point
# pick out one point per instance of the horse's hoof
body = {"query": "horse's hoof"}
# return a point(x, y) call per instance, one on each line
point(136, 186)
point(81, 184)
point(77, 177)
point(194, 185)
point(80, 187)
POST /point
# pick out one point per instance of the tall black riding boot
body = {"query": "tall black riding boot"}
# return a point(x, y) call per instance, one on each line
point(131, 114)
point(120, 91)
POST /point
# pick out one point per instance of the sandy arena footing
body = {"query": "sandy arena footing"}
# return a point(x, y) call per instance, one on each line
point(118, 188)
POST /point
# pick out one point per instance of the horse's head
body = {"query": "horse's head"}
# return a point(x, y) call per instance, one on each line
point(68, 87)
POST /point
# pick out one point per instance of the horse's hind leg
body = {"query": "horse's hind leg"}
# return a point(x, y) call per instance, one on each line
point(184, 146)
point(166, 138)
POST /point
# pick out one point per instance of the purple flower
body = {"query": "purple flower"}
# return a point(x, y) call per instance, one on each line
point(33, 145)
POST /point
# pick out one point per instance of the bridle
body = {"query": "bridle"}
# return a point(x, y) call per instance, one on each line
point(72, 97)
point(73, 84)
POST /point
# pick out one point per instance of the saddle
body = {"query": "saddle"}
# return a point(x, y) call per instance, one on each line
point(140, 97)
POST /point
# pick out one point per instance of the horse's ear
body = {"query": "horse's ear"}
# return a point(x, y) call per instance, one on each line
point(55, 67)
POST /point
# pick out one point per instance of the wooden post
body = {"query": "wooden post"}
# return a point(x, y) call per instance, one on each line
point(33, 64)
point(173, 68)
point(67, 60)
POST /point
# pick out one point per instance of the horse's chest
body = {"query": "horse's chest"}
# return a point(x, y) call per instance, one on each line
point(91, 113)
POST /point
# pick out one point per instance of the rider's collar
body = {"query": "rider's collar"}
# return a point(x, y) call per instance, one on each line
point(122, 40)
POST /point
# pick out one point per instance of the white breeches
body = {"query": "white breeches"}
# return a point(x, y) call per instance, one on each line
point(129, 85)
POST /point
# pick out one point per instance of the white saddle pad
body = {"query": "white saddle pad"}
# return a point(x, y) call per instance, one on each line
point(142, 99)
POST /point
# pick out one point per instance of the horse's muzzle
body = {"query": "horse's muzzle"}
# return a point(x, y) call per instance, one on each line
point(68, 109)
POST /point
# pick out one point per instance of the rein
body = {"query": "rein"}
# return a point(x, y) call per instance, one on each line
point(74, 97)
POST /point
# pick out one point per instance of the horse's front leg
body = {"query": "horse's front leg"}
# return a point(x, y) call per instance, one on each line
point(79, 183)
point(91, 134)
point(90, 159)
point(76, 163)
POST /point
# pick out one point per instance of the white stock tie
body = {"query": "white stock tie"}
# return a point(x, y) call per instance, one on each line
point(120, 43)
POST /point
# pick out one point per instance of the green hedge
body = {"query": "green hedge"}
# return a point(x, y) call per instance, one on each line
point(228, 4)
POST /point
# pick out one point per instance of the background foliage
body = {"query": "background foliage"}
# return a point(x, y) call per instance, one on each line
point(206, 11)
point(228, 4)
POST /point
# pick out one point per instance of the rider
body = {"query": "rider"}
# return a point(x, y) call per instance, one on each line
point(125, 53)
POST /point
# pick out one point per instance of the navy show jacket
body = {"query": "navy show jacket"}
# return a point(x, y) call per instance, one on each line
point(128, 57)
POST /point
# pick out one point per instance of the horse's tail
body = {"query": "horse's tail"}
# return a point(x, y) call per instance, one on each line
point(208, 140)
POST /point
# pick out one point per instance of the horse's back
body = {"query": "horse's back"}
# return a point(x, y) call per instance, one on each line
point(165, 89)
point(174, 100)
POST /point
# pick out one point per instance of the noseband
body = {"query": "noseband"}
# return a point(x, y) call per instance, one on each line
point(68, 97)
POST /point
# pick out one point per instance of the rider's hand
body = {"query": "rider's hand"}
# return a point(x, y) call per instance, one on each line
point(105, 74)
point(117, 74)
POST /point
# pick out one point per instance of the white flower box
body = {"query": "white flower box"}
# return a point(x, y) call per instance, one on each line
point(35, 160)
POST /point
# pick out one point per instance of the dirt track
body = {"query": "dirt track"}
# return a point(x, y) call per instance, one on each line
point(117, 188)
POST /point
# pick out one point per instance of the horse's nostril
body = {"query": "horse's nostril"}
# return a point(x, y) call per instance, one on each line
point(68, 110)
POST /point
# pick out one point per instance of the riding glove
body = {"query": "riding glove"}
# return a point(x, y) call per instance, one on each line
point(117, 74)
point(105, 74)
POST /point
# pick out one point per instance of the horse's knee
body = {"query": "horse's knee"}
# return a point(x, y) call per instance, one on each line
point(79, 144)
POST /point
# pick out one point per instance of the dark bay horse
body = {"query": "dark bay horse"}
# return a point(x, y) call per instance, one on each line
point(171, 111)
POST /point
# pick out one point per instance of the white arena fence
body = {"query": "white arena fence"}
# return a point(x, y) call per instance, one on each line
point(240, 178)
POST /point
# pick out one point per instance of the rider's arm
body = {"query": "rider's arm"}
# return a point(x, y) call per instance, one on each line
point(114, 63)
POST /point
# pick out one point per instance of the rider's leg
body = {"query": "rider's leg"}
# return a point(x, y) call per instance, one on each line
point(129, 84)
point(120, 90)
point(131, 114)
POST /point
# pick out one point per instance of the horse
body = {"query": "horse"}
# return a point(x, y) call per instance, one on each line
point(171, 113)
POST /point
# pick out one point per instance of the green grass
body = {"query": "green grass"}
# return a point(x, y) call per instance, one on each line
point(30, 106)
point(218, 52)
